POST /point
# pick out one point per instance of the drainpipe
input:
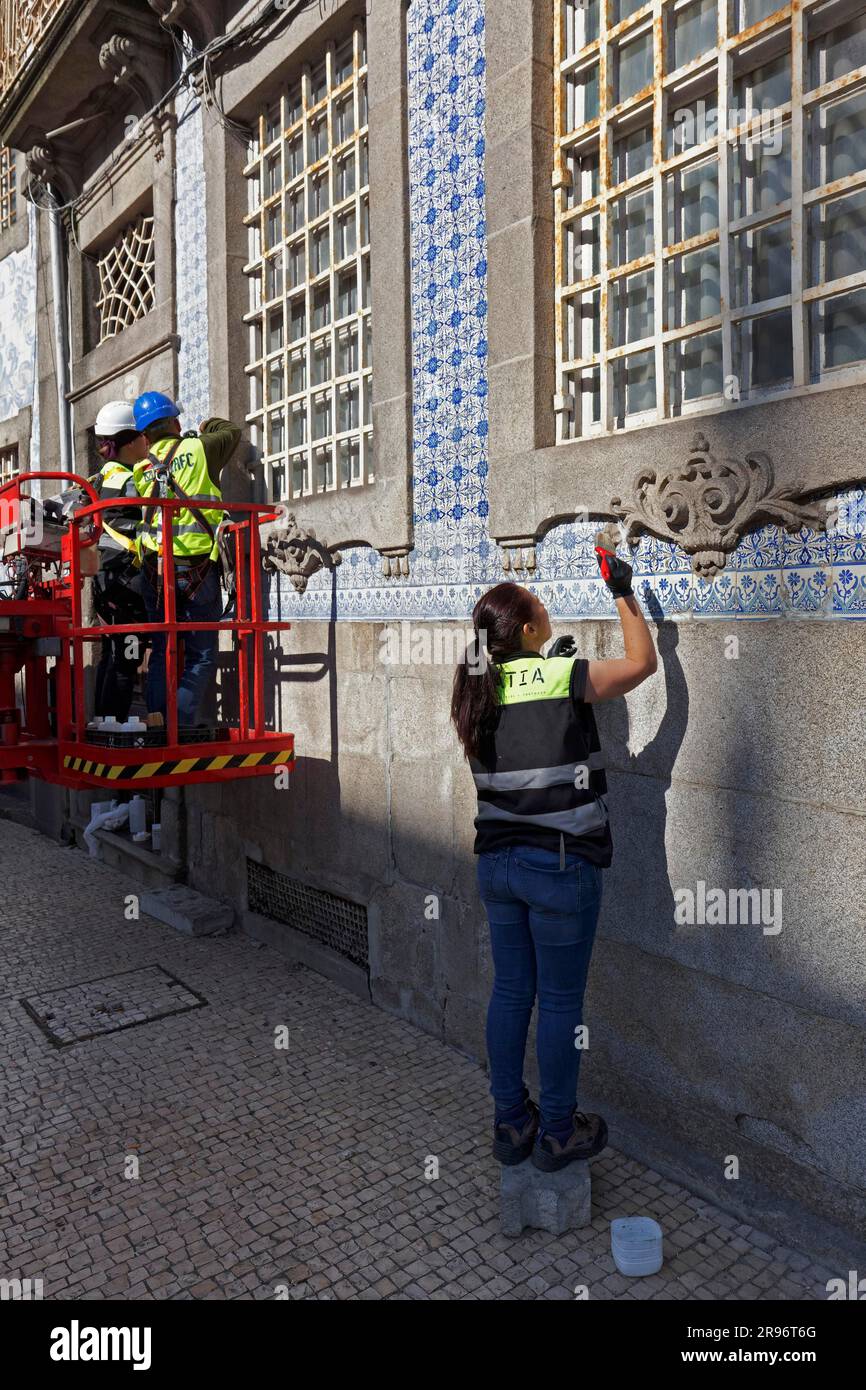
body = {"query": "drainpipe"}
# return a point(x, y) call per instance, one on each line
point(60, 314)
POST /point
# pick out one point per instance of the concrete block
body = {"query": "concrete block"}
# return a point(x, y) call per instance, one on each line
point(555, 1202)
point(188, 911)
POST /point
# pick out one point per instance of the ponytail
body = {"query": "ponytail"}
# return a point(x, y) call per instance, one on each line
point(497, 618)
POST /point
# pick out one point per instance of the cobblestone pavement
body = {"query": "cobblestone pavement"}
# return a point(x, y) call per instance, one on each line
point(267, 1173)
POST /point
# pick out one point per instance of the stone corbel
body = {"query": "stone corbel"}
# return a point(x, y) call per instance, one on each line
point(298, 554)
point(707, 504)
point(395, 562)
point(46, 165)
point(518, 554)
point(129, 64)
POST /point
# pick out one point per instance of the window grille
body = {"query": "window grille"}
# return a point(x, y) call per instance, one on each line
point(310, 363)
point(8, 193)
point(710, 204)
point(8, 463)
point(126, 279)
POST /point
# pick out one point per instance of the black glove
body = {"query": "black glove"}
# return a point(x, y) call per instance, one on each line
point(616, 573)
point(563, 646)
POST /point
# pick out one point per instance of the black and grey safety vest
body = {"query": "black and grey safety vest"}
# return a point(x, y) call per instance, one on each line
point(540, 779)
point(120, 525)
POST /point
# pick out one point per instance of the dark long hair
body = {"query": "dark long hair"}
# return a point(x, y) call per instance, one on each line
point(497, 620)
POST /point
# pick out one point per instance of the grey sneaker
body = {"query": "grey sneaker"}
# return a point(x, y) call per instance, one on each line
point(588, 1137)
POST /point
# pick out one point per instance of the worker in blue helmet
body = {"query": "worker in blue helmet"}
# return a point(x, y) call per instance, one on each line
point(189, 467)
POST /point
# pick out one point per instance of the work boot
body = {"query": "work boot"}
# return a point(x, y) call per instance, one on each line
point(587, 1138)
point(512, 1144)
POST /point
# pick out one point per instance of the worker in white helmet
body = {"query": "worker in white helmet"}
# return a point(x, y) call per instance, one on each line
point(117, 587)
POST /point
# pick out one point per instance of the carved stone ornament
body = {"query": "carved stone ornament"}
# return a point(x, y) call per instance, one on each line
point(122, 58)
point(298, 554)
point(518, 555)
point(395, 562)
point(46, 167)
point(707, 504)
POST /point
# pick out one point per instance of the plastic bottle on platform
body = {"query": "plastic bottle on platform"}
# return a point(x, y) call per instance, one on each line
point(137, 816)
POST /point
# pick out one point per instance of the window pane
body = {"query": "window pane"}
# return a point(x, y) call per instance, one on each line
point(762, 263)
point(321, 361)
point(691, 122)
point(582, 248)
point(695, 368)
point(632, 307)
point(582, 326)
point(838, 330)
point(764, 88)
point(838, 51)
point(298, 321)
point(634, 384)
point(693, 287)
point(583, 168)
point(581, 96)
point(347, 351)
point(322, 415)
point(321, 307)
point(692, 31)
point(347, 293)
point(321, 248)
point(621, 9)
point(297, 372)
point(692, 196)
point(762, 172)
point(837, 238)
point(632, 227)
point(581, 24)
point(633, 67)
point(749, 12)
point(632, 154)
point(765, 351)
point(837, 138)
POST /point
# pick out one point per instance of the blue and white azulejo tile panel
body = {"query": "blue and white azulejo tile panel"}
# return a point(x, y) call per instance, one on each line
point(454, 559)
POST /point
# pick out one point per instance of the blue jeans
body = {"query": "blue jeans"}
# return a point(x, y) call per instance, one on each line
point(199, 648)
point(542, 928)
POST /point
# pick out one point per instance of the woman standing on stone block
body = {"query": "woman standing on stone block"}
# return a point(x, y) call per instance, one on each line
point(526, 725)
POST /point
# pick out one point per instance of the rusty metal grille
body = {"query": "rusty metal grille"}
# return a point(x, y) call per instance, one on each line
point(8, 192)
point(710, 205)
point(23, 24)
point(334, 922)
point(310, 356)
point(126, 279)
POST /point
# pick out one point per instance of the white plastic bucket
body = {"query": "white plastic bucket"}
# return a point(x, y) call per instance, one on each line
point(636, 1245)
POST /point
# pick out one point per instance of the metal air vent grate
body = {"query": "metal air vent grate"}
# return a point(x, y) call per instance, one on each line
point(334, 922)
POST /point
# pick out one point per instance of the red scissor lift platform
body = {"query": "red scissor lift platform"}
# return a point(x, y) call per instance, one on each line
point(42, 621)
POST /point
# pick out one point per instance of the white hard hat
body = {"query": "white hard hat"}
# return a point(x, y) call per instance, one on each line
point(115, 418)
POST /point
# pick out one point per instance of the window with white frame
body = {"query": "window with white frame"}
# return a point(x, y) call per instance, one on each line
point(710, 187)
point(8, 193)
point(310, 363)
point(8, 463)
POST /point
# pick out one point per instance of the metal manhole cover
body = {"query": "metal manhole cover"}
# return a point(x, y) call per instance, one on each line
point(80, 1012)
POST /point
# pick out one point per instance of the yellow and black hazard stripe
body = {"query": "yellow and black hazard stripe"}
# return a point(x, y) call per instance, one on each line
point(141, 772)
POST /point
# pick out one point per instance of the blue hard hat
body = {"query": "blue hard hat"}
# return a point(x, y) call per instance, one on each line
point(153, 406)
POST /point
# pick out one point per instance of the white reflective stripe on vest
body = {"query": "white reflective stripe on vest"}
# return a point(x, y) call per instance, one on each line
point(530, 778)
point(580, 820)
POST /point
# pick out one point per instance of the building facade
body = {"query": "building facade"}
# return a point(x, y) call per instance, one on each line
point(476, 278)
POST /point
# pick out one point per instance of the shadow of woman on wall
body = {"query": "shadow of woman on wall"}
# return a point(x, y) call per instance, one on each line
point(639, 887)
